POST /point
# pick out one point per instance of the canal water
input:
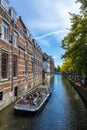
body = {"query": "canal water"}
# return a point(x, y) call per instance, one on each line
point(64, 110)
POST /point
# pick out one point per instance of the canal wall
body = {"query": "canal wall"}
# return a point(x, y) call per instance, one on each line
point(7, 99)
point(80, 89)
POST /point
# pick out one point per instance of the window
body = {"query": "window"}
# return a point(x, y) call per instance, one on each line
point(4, 65)
point(5, 31)
point(26, 67)
point(12, 12)
point(26, 47)
point(33, 53)
point(33, 68)
point(1, 96)
point(15, 41)
point(15, 65)
point(5, 4)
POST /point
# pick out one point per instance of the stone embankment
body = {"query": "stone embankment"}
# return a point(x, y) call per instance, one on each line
point(80, 89)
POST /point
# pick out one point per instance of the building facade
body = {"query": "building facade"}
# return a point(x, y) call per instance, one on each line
point(37, 63)
point(48, 66)
point(20, 56)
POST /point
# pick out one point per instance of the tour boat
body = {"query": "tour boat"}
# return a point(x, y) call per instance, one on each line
point(33, 101)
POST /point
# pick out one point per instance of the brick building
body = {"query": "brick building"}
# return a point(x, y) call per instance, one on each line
point(20, 56)
point(37, 63)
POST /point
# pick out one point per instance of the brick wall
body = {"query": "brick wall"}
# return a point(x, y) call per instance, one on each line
point(24, 81)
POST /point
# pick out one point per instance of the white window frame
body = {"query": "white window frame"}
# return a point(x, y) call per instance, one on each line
point(15, 39)
point(26, 67)
point(5, 31)
point(33, 69)
point(5, 4)
point(33, 51)
point(26, 47)
point(7, 66)
point(16, 66)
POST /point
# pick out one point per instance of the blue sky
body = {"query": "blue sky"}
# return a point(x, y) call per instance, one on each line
point(47, 21)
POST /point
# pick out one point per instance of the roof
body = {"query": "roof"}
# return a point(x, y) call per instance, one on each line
point(21, 23)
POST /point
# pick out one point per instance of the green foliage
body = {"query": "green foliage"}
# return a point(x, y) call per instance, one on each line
point(57, 69)
point(75, 43)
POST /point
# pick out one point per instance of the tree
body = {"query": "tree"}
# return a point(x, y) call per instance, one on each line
point(75, 43)
point(57, 69)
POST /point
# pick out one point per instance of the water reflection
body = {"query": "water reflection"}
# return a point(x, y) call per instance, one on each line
point(64, 111)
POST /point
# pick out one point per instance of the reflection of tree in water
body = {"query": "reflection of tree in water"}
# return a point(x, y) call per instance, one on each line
point(64, 81)
point(67, 84)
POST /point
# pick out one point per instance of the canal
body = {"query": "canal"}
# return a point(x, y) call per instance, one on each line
point(64, 110)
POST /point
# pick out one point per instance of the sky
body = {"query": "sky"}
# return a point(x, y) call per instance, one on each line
point(48, 21)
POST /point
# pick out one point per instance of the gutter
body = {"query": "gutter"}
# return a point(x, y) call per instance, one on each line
point(12, 53)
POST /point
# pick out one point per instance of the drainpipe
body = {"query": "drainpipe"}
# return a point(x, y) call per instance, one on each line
point(34, 64)
point(12, 54)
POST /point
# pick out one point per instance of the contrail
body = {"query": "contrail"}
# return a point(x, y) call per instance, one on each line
point(49, 34)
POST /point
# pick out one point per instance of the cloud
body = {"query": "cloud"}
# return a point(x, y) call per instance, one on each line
point(52, 33)
point(44, 43)
point(58, 63)
point(47, 17)
point(51, 15)
point(54, 57)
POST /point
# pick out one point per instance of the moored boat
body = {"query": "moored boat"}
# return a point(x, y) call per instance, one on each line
point(33, 101)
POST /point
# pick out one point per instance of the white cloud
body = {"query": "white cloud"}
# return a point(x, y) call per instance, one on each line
point(58, 63)
point(54, 57)
point(47, 17)
point(52, 33)
point(52, 15)
point(44, 43)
